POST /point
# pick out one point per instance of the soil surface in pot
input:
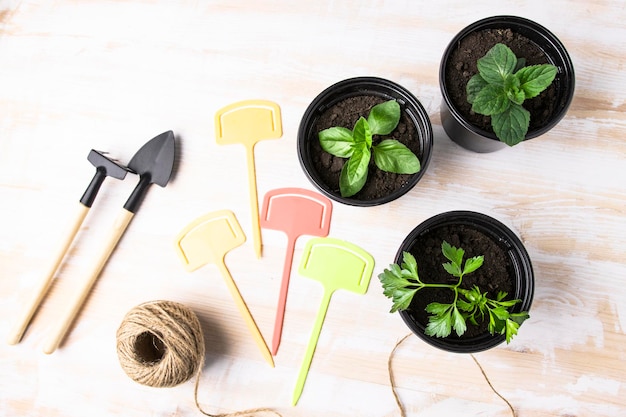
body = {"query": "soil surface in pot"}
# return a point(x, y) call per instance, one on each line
point(345, 113)
point(493, 276)
point(462, 66)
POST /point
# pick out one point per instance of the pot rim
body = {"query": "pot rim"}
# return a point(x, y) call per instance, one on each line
point(558, 56)
point(365, 85)
point(501, 234)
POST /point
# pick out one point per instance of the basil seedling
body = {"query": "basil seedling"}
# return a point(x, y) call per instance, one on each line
point(357, 145)
point(402, 282)
point(501, 86)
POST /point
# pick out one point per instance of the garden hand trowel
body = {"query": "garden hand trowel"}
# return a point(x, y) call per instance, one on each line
point(105, 167)
point(207, 240)
point(337, 265)
point(154, 163)
point(248, 122)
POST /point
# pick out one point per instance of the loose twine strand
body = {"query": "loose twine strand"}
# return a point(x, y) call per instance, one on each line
point(491, 386)
point(393, 382)
point(161, 344)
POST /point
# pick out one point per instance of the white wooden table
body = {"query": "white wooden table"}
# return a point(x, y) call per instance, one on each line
point(110, 75)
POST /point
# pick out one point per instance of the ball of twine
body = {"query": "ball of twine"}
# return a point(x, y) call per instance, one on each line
point(160, 344)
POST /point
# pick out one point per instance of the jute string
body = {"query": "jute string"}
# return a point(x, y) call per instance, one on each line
point(393, 382)
point(160, 344)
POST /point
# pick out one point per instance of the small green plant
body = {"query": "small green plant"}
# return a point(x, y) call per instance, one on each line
point(502, 84)
point(356, 145)
point(400, 283)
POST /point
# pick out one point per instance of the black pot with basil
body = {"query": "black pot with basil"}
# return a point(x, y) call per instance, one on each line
point(365, 141)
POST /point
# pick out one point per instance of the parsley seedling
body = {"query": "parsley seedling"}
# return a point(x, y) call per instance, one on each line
point(501, 86)
point(402, 282)
point(356, 145)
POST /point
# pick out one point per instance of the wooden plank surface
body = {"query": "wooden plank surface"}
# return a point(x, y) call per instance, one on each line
point(110, 75)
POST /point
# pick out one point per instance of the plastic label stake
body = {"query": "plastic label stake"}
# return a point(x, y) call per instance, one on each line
point(296, 212)
point(337, 264)
point(248, 122)
point(207, 240)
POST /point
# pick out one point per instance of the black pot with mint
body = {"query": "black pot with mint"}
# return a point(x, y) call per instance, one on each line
point(533, 45)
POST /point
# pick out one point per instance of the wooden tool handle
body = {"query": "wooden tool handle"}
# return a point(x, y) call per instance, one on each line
point(74, 307)
point(43, 285)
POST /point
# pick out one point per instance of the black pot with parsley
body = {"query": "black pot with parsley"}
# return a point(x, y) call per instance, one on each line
point(462, 281)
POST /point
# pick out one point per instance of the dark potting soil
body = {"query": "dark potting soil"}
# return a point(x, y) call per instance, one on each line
point(492, 277)
point(462, 66)
point(345, 113)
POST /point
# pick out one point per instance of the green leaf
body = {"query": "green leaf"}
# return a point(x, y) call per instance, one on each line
point(513, 323)
point(392, 282)
point(491, 100)
point(503, 303)
point(474, 85)
point(511, 82)
point(500, 312)
point(395, 286)
point(384, 117)
point(472, 295)
point(452, 269)
point(354, 172)
point(536, 78)
point(472, 264)
point(438, 308)
point(439, 325)
point(464, 305)
point(516, 96)
point(409, 263)
point(392, 156)
point(453, 254)
point(519, 318)
point(407, 274)
point(362, 133)
point(497, 64)
point(511, 330)
point(337, 141)
point(512, 89)
point(402, 299)
point(458, 322)
point(395, 269)
point(495, 324)
point(511, 125)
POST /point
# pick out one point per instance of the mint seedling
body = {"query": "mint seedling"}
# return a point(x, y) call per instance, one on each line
point(402, 282)
point(356, 145)
point(501, 86)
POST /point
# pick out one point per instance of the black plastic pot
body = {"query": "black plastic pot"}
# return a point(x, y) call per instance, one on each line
point(359, 86)
point(479, 140)
point(523, 279)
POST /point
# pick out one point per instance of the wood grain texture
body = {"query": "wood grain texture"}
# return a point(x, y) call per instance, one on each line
point(109, 75)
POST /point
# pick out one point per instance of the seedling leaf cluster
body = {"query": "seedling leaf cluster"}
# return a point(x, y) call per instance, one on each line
point(499, 89)
point(469, 306)
point(357, 145)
